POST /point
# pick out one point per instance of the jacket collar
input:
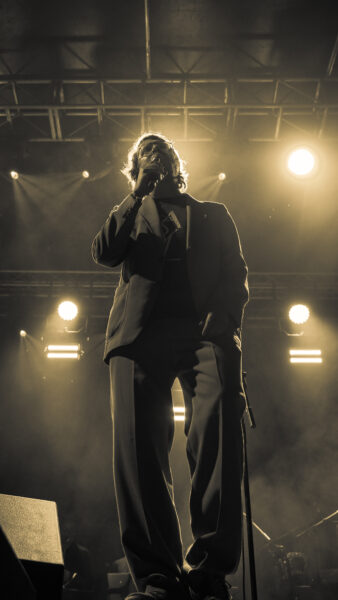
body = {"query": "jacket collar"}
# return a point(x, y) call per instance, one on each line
point(148, 211)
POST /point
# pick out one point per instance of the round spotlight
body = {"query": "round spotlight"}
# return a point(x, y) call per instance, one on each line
point(299, 313)
point(23, 333)
point(67, 310)
point(85, 174)
point(14, 175)
point(222, 176)
point(301, 162)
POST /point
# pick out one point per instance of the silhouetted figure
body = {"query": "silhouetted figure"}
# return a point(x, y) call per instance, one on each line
point(177, 312)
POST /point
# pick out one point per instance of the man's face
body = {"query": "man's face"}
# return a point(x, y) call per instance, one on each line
point(156, 150)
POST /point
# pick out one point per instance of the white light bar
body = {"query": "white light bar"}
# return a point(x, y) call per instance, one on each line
point(63, 355)
point(298, 356)
point(306, 359)
point(63, 347)
point(305, 352)
point(179, 413)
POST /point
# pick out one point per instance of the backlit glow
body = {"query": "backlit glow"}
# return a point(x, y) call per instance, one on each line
point(67, 310)
point(301, 162)
point(75, 355)
point(72, 351)
point(297, 352)
point(299, 313)
point(179, 413)
point(305, 355)
point(63, 347)
point(306, 359)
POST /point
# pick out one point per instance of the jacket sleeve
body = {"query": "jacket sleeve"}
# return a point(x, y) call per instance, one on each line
point(234, 269)
point(110, 244)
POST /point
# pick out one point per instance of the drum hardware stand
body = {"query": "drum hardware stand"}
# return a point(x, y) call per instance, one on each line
point(296, 534)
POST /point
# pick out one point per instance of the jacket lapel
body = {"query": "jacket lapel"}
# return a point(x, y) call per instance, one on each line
point(201, 244)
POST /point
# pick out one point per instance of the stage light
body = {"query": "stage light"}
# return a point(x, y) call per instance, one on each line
point(14, 175)
point(299, 314)
point(301, 162)
point(63, 347)
point(294, 352)
point(67, 310)
point(305, 356)
point(305, 359)
point(23, 333)
point(85, 174)
point(222, 177)
point(72, 351)
point(74, 355)
point(179, 413)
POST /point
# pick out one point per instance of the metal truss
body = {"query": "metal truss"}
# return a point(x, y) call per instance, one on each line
point(69, 109)
point(199, 109)
point(38, 291)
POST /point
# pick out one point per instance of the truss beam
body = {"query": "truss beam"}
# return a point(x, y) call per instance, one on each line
point(269, 106)
point(263, 285)
point(270, 292)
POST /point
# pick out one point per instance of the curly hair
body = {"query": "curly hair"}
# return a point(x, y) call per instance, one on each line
point(131, 169)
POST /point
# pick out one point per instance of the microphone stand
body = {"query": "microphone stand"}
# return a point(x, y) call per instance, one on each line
point(249, 525)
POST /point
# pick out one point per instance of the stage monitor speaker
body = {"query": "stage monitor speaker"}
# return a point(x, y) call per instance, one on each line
point(32, 529)
point(13, 577)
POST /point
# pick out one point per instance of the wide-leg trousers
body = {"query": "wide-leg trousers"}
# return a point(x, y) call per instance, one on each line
point(141, 377)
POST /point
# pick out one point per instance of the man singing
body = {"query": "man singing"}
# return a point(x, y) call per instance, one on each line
point(177, 312)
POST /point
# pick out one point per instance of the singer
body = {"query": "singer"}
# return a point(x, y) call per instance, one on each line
point(177, 312)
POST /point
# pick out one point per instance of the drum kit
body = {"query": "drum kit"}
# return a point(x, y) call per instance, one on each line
point(300, 564)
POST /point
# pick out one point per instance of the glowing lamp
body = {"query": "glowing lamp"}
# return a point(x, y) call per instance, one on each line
point(301, 162)
point(67, 310)
point(222, 177)
point(61, 351)
point(23, 333)
point(85, 174)
point(179, 413)
point(306, 356)
point(14, 175)
point(299, 314)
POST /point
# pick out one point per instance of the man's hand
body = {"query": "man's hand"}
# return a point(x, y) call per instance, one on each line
point(151, 171)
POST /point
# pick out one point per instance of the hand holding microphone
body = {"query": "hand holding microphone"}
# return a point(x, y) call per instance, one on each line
point(151, 171)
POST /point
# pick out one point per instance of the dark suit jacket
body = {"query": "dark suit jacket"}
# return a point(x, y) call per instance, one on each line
point(216, 268)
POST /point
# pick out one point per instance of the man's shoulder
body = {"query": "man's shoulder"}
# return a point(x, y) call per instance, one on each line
point(206, 204)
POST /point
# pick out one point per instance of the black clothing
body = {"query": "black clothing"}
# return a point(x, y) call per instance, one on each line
point(216, 268)
point(141, 377)
point(175, 296)
point(177, 312)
